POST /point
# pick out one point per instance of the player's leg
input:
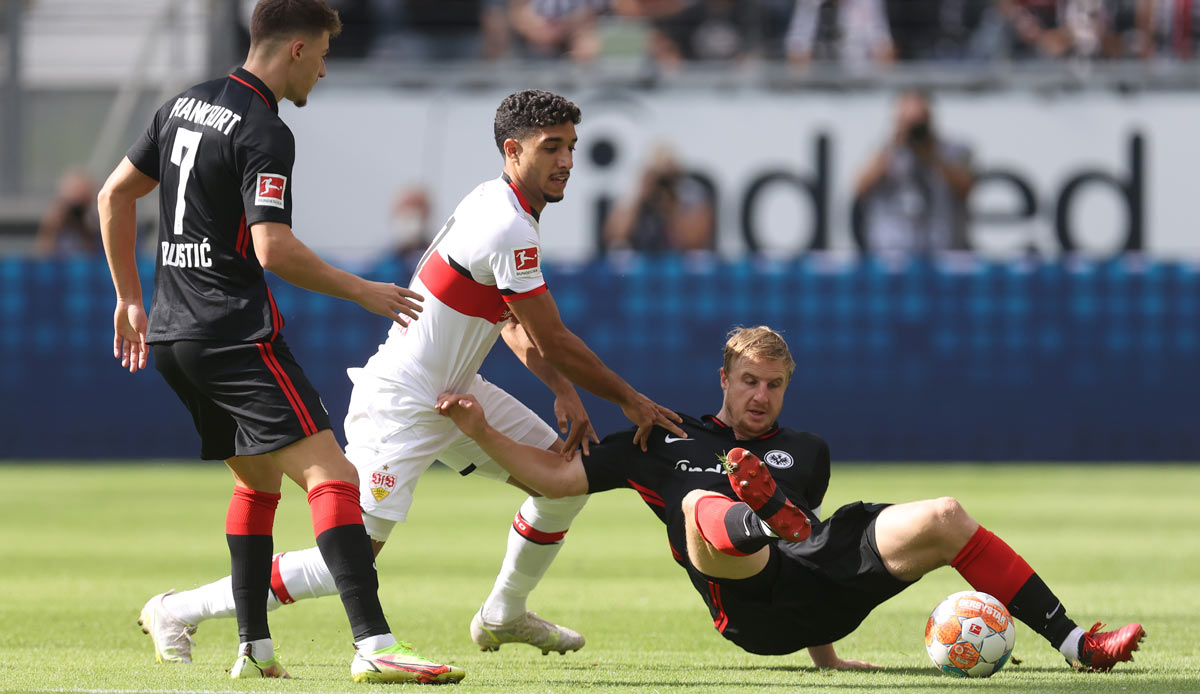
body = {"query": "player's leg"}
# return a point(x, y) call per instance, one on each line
point(724, 537)
point(917, 537)
point(751, 480)
point(350, 558)
point(534, 540)
point(249, 523)
point(163, 617)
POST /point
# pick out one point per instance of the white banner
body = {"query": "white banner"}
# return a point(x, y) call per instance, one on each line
point(1094, 172)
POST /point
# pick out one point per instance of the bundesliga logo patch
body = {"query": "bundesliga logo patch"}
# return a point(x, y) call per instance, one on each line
point(526, 260)
point(270, 190)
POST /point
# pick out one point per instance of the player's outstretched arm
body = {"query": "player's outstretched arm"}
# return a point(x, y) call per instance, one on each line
point(826, 657)
point(279, 251)
point(572, 358)
point(573, 420)
point(541, 470)
point(117, 204)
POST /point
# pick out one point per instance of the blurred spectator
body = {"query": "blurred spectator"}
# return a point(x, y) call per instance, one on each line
point(70, 225)
point(851, 32)
point(409, 223)
point(1166, 28)
point(940, 29)
point(1052, 29)
point(417, 30)
point(705, 30)
point(913, 192)
point(557, 28)
point(668, 211)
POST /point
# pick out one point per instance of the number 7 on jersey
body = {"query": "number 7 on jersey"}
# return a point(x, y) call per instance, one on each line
point(183, 154)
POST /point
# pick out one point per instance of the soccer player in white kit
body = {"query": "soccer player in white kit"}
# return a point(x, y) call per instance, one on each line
point(481, 278)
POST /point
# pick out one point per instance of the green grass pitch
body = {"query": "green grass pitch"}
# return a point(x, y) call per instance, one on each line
point(82, 546)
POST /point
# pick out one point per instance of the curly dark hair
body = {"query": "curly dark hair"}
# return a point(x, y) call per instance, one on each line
point(524, 112)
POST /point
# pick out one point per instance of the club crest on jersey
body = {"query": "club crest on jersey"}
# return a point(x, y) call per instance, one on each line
point(779, 459)
point(382, 484)
point(270, 190)
point(526, 260)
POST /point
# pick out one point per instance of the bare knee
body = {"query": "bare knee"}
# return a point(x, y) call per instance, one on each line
point(949, 521)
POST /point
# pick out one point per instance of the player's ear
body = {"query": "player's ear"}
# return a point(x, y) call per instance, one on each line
point(512, 148)
point(724, 379)
point(296, 48)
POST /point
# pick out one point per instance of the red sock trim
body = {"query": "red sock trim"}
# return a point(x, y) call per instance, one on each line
point(277, 586)
point(710, 514)
point(251, 512)
point(990, 565)
point(334, 504)
point(527, 531)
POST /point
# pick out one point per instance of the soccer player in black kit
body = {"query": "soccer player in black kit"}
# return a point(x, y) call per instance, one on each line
point(726, 525)
point(222, 158)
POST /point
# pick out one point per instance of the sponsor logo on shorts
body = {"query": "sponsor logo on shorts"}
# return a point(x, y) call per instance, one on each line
point(526, 261)
point(382, 484)
point(779, 459)
point(270, 190)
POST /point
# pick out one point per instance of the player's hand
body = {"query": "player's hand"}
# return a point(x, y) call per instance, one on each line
point(647, 414)
point(573, 417)
point(392, 301)
point(129, 335)
point(466, 412)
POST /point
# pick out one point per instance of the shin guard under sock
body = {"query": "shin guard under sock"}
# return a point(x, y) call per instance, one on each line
point(991, 566)
point(731, 527)
point(248, 525)
point(338, 525)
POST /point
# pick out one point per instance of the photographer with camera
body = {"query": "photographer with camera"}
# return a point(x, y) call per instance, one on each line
point(913, 193)
point(667, 211)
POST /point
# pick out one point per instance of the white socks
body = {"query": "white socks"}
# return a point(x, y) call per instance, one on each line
point(1070, 646)
point(533, 543)
point(373, 643)
point(304, 576)
point(262, 650)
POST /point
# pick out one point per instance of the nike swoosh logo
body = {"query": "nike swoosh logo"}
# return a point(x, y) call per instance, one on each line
point(673, 439)
point(1053, 612)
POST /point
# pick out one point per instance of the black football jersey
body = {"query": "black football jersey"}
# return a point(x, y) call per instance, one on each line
point(223, 161)
point(672, 466)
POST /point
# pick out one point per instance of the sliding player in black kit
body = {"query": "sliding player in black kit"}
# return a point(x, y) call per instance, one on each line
point(741, 498)
point(222, 158)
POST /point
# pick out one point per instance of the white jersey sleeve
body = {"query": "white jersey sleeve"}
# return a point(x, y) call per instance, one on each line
point(513, 262)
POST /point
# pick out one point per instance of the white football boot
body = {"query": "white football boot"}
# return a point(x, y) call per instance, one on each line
point(171, 635)
point(528, 628)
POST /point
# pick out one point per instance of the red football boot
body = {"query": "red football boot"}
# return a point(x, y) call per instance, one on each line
point(752, 482)
point(1099, 650)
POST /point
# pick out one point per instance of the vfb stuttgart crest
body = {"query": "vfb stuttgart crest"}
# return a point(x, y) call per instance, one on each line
point(382, 484)
point(779, 459)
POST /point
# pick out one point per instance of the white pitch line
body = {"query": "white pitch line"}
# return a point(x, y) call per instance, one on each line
point(133, 691)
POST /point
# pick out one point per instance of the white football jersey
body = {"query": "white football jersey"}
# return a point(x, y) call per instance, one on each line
point(487, 255)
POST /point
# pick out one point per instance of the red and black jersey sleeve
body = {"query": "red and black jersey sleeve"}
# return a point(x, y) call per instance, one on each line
point(265, 166)
point(144, 154)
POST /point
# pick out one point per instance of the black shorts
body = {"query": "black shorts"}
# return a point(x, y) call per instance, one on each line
point(810, 593)
point(245, 398)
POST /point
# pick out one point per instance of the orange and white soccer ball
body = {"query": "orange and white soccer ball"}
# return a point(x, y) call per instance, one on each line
point(970, 634)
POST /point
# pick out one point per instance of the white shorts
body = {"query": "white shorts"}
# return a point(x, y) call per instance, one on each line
point(393, 434)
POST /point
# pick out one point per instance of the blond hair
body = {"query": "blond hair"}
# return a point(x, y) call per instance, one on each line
point(758, 343)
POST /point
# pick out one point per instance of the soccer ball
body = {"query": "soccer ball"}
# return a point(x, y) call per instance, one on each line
point(970, 634)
